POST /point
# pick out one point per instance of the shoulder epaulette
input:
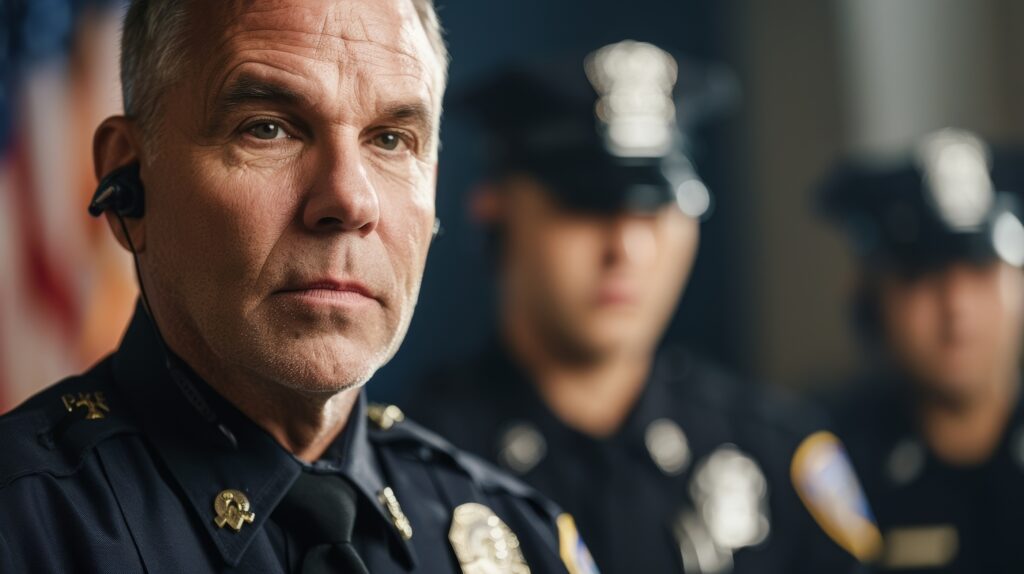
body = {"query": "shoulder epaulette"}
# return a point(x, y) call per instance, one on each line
point(400, 431)
point(51, 431)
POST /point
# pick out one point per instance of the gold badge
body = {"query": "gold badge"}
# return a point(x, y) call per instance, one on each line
point(398, 518)
point(384, 416)
point(483, 543)
point(232, 508)
point(94, 403)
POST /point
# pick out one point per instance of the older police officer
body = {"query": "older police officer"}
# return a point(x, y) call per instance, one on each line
point(670, 464)
point(274, 178)
point(936, 429)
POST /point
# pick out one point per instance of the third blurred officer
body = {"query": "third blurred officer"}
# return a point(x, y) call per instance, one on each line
point(937, 432)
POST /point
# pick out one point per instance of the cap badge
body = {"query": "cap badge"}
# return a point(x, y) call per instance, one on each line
point(635, 81)
point(955, 164)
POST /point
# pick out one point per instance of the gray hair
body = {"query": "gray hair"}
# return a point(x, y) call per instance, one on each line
point(153, 48)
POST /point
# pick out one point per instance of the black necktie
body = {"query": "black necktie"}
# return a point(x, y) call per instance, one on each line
point(320, 512)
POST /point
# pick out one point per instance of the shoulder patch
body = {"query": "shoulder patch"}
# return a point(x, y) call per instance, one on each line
point(827, 484)
point(571, 547)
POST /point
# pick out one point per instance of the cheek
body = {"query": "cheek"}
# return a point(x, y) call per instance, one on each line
point(677, 242)
point(406, 227)
point(571, 258)
point(226, 221)
point(1010, 306)
point(911, 319)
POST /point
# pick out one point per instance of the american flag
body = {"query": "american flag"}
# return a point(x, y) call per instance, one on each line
point(67, 289)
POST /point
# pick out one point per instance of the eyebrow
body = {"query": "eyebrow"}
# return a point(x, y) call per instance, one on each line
point(246, 89)
point(415, 114)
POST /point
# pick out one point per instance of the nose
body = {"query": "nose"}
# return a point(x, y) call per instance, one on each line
point(342, 196)
point(631, 241)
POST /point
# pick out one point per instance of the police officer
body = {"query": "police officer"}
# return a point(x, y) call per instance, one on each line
point(936, 428)
point(668, 463)
point(273, 178)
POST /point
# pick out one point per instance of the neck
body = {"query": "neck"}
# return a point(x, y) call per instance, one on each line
point(303, 422)
point(593, 395)
point(967, 431)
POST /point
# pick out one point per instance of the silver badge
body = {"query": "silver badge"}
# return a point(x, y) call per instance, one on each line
point(730, 492)
point(635, 81)
point(956, 173)
point(668, 446)
point(521, 447)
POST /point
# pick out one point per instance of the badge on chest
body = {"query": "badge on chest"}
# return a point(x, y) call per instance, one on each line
point(483, 543)
point(729, 511)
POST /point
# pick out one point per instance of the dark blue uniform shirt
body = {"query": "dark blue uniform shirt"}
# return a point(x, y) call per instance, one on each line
point(698, 479)
point(117, 471)
point(935, 517)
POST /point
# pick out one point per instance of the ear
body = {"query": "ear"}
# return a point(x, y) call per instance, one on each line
point(115, 145)
point(485, 204)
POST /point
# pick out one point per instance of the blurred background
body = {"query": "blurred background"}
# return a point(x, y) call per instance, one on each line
point(769, 295)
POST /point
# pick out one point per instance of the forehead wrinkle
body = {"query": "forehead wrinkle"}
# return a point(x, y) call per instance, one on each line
point(365, 49)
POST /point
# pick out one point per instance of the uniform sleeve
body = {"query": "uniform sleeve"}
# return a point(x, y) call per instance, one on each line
point(6, 562)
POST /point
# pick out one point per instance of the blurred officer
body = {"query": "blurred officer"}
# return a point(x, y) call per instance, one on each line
point(274, 179)
point(936, 432)
point(669, 464)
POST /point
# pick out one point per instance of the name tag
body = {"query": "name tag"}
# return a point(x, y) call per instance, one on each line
point(930, 546)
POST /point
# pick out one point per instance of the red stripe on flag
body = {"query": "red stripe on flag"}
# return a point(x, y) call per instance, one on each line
point(48, 285)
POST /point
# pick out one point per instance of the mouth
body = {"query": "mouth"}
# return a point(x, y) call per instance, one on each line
point(615, 294)
point(329, 291)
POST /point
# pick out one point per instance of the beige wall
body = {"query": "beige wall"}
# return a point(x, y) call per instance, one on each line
point(823, 78)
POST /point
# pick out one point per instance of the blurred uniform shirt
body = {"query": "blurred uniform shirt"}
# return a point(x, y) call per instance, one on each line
point(700, 478)
point(934, 517)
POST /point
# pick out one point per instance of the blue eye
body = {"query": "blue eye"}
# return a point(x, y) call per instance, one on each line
point(266, 131)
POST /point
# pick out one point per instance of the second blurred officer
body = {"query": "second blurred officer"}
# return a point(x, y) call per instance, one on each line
point(937, 434)
point(669, 464)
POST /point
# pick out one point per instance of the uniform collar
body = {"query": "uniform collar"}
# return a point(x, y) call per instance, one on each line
point(204, 462)
point(654, 402)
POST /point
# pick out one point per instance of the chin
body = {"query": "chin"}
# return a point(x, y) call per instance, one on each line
point(328, 365)
point(952, 385)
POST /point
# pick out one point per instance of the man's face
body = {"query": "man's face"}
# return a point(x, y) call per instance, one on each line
point(958, 329)
point(290, 188)
point(591, 284)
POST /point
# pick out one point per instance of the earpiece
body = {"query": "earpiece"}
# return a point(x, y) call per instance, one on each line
point(120, 190)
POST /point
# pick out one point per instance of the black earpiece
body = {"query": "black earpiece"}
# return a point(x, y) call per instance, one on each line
point(120, 190)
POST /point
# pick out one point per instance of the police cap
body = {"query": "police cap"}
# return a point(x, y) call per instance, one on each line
point(952, 199)
point(602, 131)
